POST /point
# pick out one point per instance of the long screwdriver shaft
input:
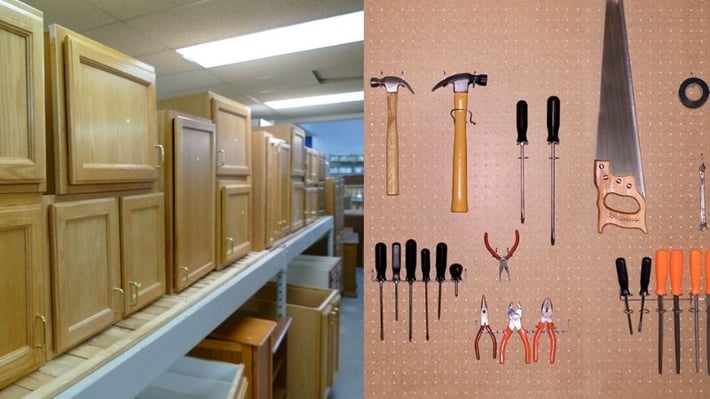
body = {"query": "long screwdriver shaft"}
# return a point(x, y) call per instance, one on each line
point(552, 194)
point(522, 183)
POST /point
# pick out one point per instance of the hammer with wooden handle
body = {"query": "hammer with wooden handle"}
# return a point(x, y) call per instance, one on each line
point(391, 85)
point(460, 82)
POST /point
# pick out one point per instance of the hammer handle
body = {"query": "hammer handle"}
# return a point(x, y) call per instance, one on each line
point(459, 189)
point(392, 146)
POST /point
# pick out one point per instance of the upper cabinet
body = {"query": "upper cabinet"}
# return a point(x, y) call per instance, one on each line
point(233, 122)
point(101, 117)
point(22, 141)
point(296, 138)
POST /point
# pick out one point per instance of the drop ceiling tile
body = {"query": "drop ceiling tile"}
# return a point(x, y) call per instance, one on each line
point(126, 9)
point(169, 62)
point(123, 38)
point(73, 14)
point(185, 81)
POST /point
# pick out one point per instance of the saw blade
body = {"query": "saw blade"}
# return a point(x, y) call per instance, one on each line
point(617, 131)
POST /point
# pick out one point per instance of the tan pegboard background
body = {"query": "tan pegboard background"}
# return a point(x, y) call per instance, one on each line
point(530, 50)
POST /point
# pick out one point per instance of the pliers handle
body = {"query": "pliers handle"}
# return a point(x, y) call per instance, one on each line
point(549, 327)
point(488, 329)
point(504, 343)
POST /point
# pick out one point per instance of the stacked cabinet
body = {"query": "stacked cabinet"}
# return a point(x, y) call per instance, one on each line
point(23, 271)
point(296, 139)
point(232, 122)
point(107, 243)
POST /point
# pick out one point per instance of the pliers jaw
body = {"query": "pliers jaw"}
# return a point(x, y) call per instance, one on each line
point(546, 324)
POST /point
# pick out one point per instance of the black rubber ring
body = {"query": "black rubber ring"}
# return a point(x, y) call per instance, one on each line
point(693, 103)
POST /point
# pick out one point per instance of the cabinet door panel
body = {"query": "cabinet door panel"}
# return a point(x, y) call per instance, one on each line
point(85, 261)
point(22, 334)
point(22, 138)
point(284, 189)
point(235, 223)
point(233, 138)
point(142, 249)
point(298, 198)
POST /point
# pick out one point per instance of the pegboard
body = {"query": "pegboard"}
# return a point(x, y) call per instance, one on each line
point(530, 50)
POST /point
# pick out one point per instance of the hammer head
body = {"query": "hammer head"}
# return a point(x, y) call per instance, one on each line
point(461, 81)
point(390, 83)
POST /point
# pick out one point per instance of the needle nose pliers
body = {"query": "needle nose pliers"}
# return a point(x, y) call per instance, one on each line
point(548, 326)
point(515, 314)
point(485, 327)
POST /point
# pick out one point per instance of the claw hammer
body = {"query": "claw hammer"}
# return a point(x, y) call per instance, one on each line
point(460, 82)
point(391, 85)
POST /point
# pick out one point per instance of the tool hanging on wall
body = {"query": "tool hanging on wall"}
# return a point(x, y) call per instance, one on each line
point(623, 278)
point(676, 280)
point(661, 281)
point(707, 310)
point(503, 260)
point(553, 129)
point(701, 175)
point(440, 265)
point(391, 85)
point(381, 267)
point(693, 92)
point(695, 269)
point(410, 262)
point(396, 267)
point(426, 267)
point(456, 270)
point(645, 280)
point(484, 327)
point(617, 166)
point(460, 83)
point(522, 140)
point(515, 314)
point(548, 326)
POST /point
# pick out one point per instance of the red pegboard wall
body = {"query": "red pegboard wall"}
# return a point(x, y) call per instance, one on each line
point(530, 50)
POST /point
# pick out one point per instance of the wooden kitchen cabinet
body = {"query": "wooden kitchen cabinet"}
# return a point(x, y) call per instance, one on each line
point(86, 271)
point(101, 117)
point(23, 329)
point(311, 204)
point(263, 191)
point(22, 137)
point(282, 180)
point(233, 122)
point(142, 249)
point(234, 235)
point(296, 138)
point(188, 183)
point(298, 204)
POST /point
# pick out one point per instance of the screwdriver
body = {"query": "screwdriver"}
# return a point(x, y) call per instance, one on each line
point(441, 249)
point(695, 259)
point(410, 264)
point(396, 266)
point(661, 281)
point(522, 125)
point(381, 267)
point(553, 128)
point(426, 267)
point(456, 270)
point(623, 278)
point(707, 309)
point(645, 279)
point(676, 280)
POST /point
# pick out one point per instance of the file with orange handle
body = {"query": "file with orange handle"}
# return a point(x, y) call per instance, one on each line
point(707, 309)
point(676, 281)
point(661, 281)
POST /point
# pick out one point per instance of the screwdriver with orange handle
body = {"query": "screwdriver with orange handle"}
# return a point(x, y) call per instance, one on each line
point(676, 281)
point(707, 309)
point(661, 281)
point(695, 265)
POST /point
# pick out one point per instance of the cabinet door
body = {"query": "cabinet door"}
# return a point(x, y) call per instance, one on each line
point(22, 138)
point(194, 200)
point(284, 223)
point(233, 123)
point(22, 332)
point(104, 110)
point(334, 340)
point(298, 152)
point(86, 274)
point(142, 249)
point(234, 223)
point(298, 202)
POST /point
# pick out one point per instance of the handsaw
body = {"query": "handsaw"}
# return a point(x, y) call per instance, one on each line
point(618, 168)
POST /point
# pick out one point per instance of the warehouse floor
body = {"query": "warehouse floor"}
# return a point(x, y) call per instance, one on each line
point(349, 384)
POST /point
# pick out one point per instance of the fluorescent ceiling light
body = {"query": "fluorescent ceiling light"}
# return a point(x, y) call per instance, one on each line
point(316, 100)
point(347, 28)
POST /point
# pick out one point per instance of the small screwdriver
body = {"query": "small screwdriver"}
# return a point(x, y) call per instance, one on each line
point(381, 267)
point(426, 267)
point(623, 277)
point(396, 266)
point(645, 280)
point(441, 249)
point(456, 270)
point(410, 263)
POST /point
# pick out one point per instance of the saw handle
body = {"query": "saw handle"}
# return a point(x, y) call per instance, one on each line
point(459, 188)
point(624, 186)
point(392, 162)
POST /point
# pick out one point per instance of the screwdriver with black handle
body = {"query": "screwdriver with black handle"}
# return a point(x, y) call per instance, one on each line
point(426, 267)
point(396, 267)
point(381, 268)
point(645, 280)
point(695, 265)
point(661, 282)
point(623, 277)
point(676, 280)
point(553, 129)
point(410, 264)
point(522, 125)
point(441, 250)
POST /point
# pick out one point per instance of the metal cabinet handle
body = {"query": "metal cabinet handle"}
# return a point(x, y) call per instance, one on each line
point(230, 240)
point(123, 303)
point(44, 331)
point(160, 148)
point(136, 292)
point(187, 272)
point(221, 158)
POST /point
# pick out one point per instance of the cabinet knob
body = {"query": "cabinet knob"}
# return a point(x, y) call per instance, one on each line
point(187, 272)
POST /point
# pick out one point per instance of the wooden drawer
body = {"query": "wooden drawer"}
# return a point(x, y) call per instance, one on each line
point(233, 222)
point(190, 377)
point(101, 117)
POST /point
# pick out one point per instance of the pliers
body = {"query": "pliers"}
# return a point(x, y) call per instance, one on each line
point(502, 260)
point(546, 324)
point(515, 314)
point(485, 327)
